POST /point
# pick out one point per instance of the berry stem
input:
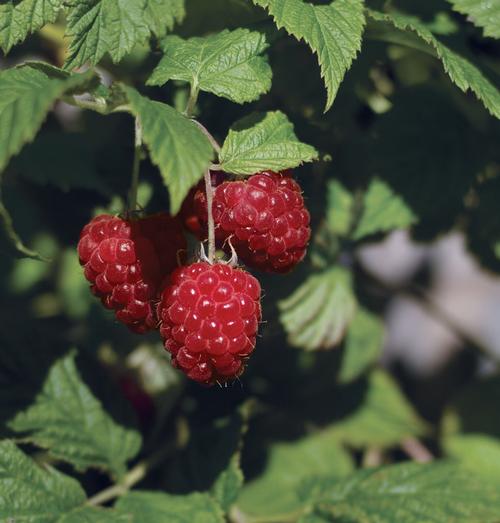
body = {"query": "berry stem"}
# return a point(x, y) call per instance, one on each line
point(132, 197)
point(211, 225)
point(207, 133)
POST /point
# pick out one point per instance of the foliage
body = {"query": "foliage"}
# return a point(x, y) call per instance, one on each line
point(388, 113)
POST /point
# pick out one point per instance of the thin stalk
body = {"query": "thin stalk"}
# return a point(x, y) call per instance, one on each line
point(193, 98)
point(14, 238)
point(132, 477)
point(211, 225)
point(134, 185)
point(207, 133)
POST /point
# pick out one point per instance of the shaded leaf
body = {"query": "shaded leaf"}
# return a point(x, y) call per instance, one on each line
point(383, 419)
point(332, 31)
point(33, 494)
point(363, 345)
point(177, 146)
point(483, 13)
point(26, 95)
point(339, 208)
point(383, 211)
point(462, 73)
point(276, 490)
point(318, 313)
point(95, 515)
point(226, 64)
point(70, 422)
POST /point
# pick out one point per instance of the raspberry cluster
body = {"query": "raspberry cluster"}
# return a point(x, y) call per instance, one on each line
point(207, 313)
point(125, 261)
point(209, 317)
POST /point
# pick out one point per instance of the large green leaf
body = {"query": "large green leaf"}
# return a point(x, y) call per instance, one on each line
point(30, 493)
point(227, 64)
point(383, 418)
point(26, 95)
point(153, 507)
point(483, 13)
point(463, 73)
point(332, 31)
point(176, 144)
point(363, 345)
point(19, 19)
point(263, 141)
point(70, 422)
point(410, 493)
point(317, 314)
point(276, 490)
point(383, 210)
point(97, 27)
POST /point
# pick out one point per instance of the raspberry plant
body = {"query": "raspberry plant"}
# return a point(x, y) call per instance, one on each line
point(286, 135)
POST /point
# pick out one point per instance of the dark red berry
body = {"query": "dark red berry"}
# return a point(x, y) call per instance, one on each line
point(264, 217)
point(209, 316)
point(126, 260)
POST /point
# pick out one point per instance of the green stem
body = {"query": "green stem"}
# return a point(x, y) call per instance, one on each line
point(14, 238)
point(193, 98)
point(132, 196)
point(133, 476)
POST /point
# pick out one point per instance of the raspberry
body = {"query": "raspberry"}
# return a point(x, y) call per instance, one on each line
point(209, 315)
point(265, 218)
point(126, 260)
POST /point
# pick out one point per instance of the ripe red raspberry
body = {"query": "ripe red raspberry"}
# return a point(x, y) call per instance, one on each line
point(126, 260)
point(209, 315)
point(265, 218)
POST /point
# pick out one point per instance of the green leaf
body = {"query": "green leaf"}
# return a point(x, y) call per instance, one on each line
point(483, 13)
point(339, 208)
point(26, 95)
point(226, 64)
point(19, 19)
point(411, 493)
point(383, 419)
point(161, 15)
point(95, 515)
point(332, 31)
point(263, 141)
point(30, 493)
point(176, 144)
point(363, 345)
point(317, 314)
point(383, 210)
point(477, 453)
point(153, 507)
point(70, 422)
point(97, 27)
point(289, 465)
point(462, 73)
